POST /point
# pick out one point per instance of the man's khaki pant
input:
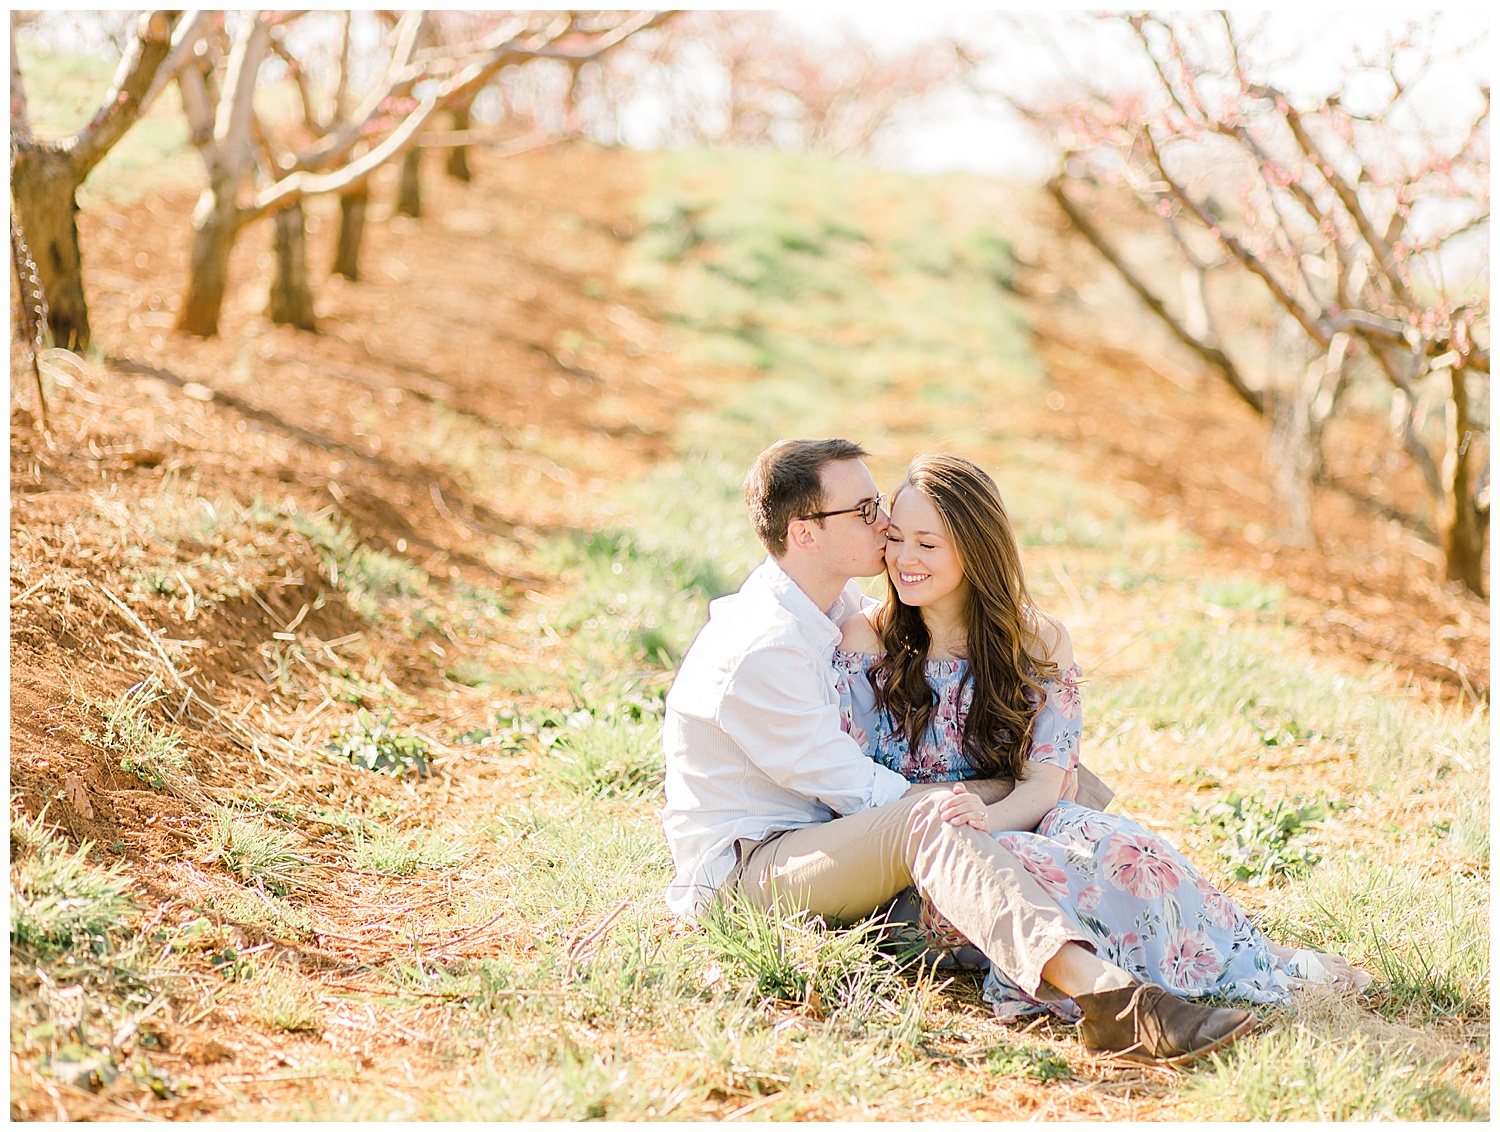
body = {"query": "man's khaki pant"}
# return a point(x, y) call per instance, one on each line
point(844, 869)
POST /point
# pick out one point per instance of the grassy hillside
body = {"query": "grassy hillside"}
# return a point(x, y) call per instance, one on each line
point(401, 858)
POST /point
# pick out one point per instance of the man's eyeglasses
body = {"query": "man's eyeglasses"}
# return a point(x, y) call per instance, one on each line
point(869, 510)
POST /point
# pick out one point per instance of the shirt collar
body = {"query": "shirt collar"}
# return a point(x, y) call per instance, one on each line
point(821, 625)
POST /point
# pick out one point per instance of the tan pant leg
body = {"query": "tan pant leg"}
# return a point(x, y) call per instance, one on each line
point(844, 869)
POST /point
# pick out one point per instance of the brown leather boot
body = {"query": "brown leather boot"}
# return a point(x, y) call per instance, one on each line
point(1146, 1023)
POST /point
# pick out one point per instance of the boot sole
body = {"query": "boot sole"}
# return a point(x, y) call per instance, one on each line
point(1188, 1058)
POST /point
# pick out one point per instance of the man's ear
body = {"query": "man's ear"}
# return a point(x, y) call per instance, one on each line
point(799, 533)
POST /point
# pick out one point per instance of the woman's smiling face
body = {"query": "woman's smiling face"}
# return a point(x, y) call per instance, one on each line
point(923, 566)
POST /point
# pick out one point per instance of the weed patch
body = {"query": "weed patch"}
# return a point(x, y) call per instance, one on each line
point(59, 900)
point(375, 744)
point(146, 749)
point(1038, 1063)
point(1261, 842)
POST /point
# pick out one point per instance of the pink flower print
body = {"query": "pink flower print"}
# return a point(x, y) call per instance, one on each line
point(1047, 753)
point(1088, 898)
point(1063, 694)
point(1039, 863)
point(1218, 907)
point(1191, 963)
point(1141, 864)
point(939, 930)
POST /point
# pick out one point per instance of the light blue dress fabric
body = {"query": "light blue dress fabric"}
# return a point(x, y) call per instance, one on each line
point(1143, 905)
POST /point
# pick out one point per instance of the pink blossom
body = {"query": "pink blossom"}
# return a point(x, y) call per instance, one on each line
point(1039, 863)
point(1088, 898)
point(1190, 964)
point(1220, 908)
point(1141, 864)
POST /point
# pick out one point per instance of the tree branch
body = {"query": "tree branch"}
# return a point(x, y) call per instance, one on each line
point(191, 30)
point(1235, 248)
point(1347, 195)
point(252, 39)
point(1207, 351)
point(125, 100)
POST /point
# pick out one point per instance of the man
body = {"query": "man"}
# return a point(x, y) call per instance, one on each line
point(769, 802)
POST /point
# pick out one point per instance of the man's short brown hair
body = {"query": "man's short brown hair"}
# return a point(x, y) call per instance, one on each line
point(786, 483)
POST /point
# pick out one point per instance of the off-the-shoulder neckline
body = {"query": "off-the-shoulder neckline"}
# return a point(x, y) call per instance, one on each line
point(873, 656)
point(870, 657)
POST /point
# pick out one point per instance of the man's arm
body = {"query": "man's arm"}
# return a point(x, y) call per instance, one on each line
point(775, 710)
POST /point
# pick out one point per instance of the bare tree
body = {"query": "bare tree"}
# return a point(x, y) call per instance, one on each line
point(739, 78)
point(45, 175)
point(1348, 212)
point(218, 102)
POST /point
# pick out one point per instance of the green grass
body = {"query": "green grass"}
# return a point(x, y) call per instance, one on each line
point(59, 899)
point(126, 728)
point(608, 758)
point(404, 854)
point(284, 1003)
point(258, 854)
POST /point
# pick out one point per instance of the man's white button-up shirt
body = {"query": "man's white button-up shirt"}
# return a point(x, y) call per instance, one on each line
point(752, 733)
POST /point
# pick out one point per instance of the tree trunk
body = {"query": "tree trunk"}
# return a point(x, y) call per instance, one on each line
point(44, 188)
point(1463, 543)
point(215, 226)
point(409, 185)
point(352, 207)
point(291, 297)
point(458, 156)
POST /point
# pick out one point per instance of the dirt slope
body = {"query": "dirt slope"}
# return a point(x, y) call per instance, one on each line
point(498, 308)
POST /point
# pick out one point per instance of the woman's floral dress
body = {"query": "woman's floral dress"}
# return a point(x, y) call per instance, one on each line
point(1145, 908)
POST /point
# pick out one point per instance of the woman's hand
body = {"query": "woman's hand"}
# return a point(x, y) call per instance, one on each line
point(964, 807)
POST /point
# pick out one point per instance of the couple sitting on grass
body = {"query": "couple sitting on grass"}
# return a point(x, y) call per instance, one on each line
point(825, 753)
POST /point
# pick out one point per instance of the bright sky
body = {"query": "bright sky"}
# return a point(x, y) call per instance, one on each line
point(1027, 47)
point(1308, 44)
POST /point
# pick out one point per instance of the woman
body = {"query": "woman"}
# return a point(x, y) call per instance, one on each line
point(957, 675)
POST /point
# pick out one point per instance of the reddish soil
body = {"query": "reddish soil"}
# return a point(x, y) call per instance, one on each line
point(499, 307)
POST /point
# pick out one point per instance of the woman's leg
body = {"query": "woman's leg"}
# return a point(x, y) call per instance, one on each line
point(1076, 970)
point(1167, 921)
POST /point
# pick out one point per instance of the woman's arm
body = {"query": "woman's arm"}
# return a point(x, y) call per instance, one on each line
point(1032, 799)
point(1052, 757)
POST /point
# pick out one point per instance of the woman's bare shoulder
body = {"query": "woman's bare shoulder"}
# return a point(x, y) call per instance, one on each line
point(860, 635)
point(1050, 637)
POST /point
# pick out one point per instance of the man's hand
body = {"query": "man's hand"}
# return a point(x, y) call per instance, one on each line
point(964, 807)
point(1070, 786)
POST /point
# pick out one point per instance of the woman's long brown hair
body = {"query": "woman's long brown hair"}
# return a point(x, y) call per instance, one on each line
point(998, 619)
